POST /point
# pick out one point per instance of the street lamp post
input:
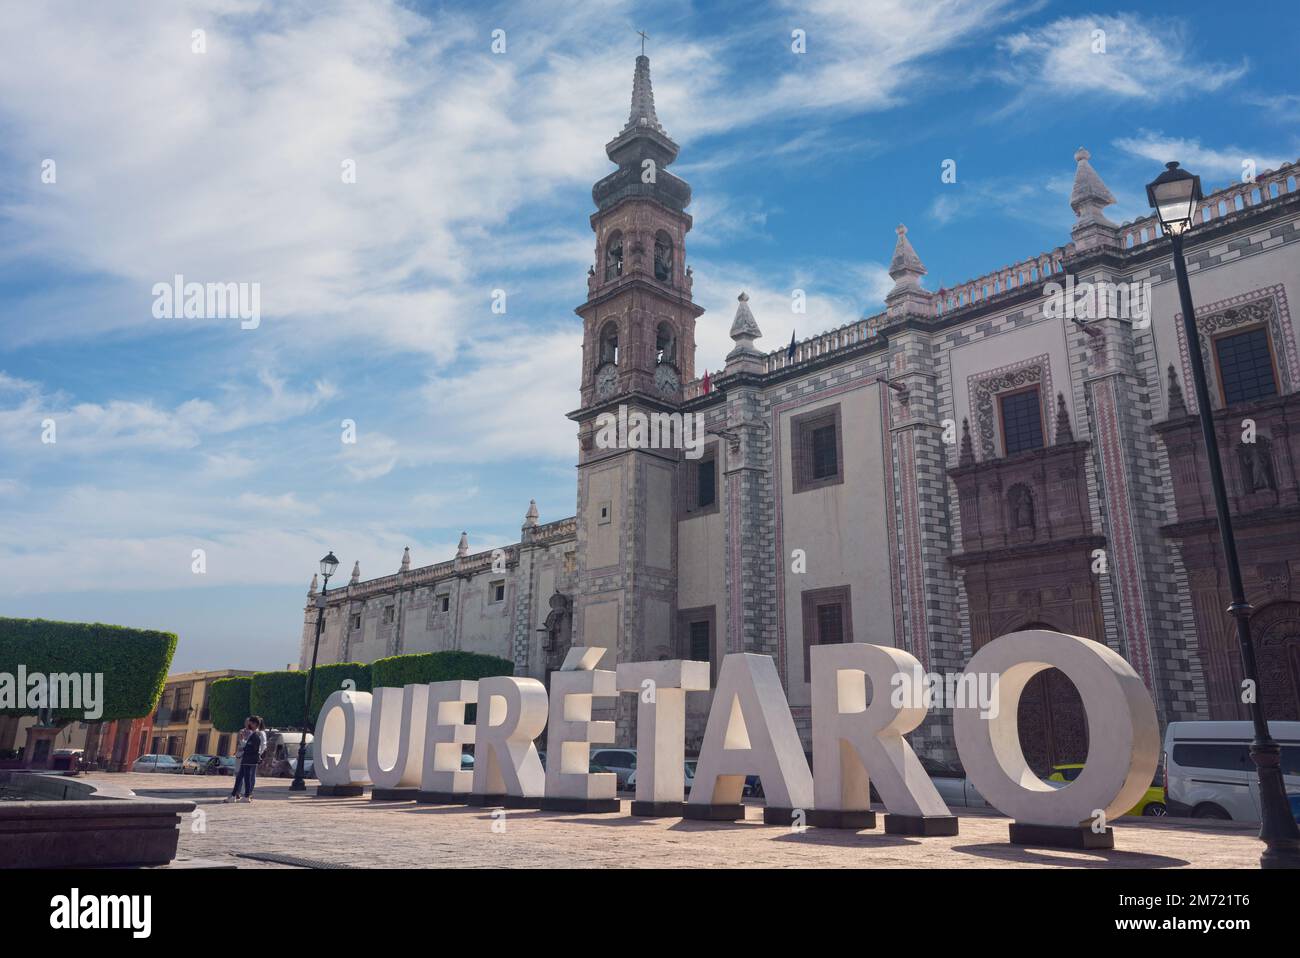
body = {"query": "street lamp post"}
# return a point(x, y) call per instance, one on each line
point(327, 567)
point(1174, 195)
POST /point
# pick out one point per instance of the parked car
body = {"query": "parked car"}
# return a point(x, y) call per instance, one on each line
point(197, 764)
point(1209, 772)
point(620, 761)
point(156, 763)
point(952, 785)
point(1151, 804)
point(226, 765)
point(690, 777)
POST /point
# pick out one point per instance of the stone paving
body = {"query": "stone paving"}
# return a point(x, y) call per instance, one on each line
point(360, 833)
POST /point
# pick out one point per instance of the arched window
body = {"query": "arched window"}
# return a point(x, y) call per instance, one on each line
point(609, 343)
point(663, 257)
point(665, 345)
point(614, 256)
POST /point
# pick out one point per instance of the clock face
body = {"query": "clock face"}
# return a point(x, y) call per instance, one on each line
point(606, 380)
point(666, 380)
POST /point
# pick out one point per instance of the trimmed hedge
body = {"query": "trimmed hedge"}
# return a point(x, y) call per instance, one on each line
point(228, 702)
point(424, 667)
point(329, 679)
point(134, 662)
point(278, 697)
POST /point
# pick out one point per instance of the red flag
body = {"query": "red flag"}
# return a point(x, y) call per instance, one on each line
point(706, 385)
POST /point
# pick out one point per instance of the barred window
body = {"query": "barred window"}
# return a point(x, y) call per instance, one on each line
point(825, 457)
point(1022, 421)
point(827, 620)
point(817, 449)
point(1245, 366)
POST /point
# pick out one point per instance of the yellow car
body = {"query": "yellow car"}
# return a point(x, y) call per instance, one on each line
point(1152, 803)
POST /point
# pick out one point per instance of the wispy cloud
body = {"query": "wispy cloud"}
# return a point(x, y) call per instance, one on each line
point(1119, 55)
point(1227, 162)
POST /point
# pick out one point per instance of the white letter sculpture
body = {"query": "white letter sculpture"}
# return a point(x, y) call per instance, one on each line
point(750, 731)
point(1123, 740)
point(570, 784)
point(856, 741)
point(396, 751)
point(507, 771)
point(444, 779)
point(340, 746)
point(661, 689)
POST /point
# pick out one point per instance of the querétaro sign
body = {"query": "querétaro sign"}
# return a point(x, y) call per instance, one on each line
point(412, 738)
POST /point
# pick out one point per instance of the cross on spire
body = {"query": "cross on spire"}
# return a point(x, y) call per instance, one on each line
point(644, 37)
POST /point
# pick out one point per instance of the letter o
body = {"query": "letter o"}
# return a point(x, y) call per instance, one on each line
point(341, 746)
point(1123, 735)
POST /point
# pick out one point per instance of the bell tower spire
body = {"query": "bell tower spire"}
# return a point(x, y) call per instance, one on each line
point(639, 317)
point(638, 349)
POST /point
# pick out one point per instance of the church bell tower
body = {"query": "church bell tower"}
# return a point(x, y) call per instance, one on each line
point(638, 349)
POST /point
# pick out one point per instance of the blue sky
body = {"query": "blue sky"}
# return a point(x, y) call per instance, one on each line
point(473, 173)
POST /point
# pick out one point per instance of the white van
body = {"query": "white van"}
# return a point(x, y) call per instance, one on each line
point(1208, 771)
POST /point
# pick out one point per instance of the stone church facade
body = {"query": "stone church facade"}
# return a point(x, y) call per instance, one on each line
point(967, 463)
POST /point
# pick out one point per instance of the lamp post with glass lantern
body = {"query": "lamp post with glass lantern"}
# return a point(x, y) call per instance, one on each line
point(327, 567)
point(1174, 195)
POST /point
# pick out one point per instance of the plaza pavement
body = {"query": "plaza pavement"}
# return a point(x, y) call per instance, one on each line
point(359, 833)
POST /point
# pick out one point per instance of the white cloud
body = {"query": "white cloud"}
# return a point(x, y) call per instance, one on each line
point(117, 425)
point(1225, 162)
point(1138, 62)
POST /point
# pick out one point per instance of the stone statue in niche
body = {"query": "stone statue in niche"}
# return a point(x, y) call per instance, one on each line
point(1257, 465)
point(1021, 501)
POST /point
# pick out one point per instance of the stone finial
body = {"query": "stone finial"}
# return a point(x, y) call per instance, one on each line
point(642, 114)
point(406, 560)
point(967, 455)
point(1177, 406)
point(311, 590)
point(744, 326)
point(356, 573)
point(530, 518)
point(1064, 433)
point(744, 330)
point(1089, 196)
point(906, 268)
point(462, 548)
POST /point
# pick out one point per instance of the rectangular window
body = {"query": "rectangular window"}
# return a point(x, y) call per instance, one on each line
point(825, 457)
point(827, 619)
point(1022, 421)
point(817, 449)
point(497, 591)
point(388, 615)
point(1245, 366)
point(700, 650)
point(443, 603)
point(706, 481)
point(697, 636)
point(223, 745)
point(201, 743)
point(355, 622)
point(699, 490)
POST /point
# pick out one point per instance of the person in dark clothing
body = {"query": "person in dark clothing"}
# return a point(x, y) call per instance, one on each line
point(250, 756)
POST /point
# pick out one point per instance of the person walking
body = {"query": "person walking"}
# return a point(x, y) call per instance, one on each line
point(251, 755)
